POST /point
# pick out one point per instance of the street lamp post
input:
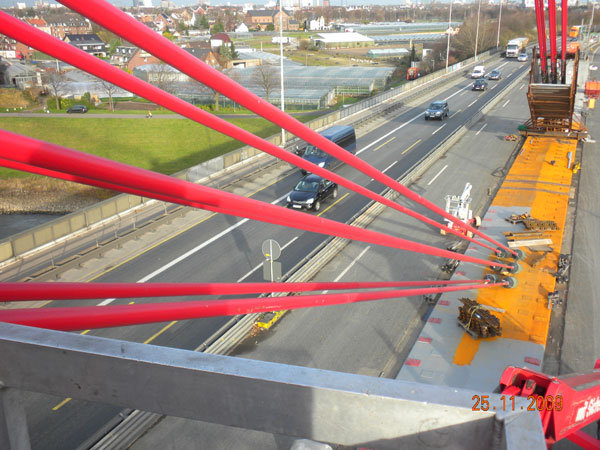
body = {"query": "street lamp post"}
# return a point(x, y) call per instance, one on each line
point(448, 44)
point(499, 21)
point(477, 32)
point(281, 64)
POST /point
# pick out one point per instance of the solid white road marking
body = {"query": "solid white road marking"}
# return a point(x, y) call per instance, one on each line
point(506, 103)
point(345, 271)
point(438, 174)
point(484, 125)
point(389, 167)
point(190, 252)
point(439, 129)
point(473, 102)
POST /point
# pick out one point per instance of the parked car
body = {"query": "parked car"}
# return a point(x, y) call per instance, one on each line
point(480, 85)
point(342, 135)
point(522, 57)
point(478, 72)
point(495, 75)
point(77, 109)
point(310, 192)
point(437, 110)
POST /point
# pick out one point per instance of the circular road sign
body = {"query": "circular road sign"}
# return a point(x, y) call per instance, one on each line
point(271, 249)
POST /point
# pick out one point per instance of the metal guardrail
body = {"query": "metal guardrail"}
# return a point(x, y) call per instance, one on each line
point(28, 242)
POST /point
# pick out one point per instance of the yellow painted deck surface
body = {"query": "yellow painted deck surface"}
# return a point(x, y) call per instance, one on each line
point(540, 182)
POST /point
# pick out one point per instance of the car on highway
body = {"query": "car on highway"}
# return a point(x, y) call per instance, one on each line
point(480, 85)
point(342, 135)
point(478, 72)
point(437, 110)
point(82, 109)
point(310, 192)
point(495, 75)
point(522, 57)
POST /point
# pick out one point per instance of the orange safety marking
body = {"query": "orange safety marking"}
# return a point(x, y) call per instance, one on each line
point(539, 182)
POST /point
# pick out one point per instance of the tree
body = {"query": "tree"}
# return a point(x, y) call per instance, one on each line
point(464, 42)
point(57, 82)
point(270, 27)
point(232, 52)
point(266, 77)
point(204, 23)
point(109, 89)
point(218, 27)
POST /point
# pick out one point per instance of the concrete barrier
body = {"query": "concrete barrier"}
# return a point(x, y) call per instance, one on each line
point(21, 244)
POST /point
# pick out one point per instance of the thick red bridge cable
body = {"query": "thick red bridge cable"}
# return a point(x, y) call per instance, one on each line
point(125, 26)
point(564, 31)
point(21, 292)
point(30, 151)
point(90, 317)
point(35, 38)
point(552, 26)
point(539, 11)
point(51, 173)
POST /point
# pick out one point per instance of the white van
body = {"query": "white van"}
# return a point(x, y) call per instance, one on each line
point(478, 72)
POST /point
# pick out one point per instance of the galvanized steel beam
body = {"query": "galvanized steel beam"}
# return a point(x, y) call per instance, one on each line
point(322, 405)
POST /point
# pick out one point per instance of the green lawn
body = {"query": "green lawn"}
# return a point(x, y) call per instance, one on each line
point(165, 145)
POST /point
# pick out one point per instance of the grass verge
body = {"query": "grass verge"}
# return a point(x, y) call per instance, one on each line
point(165, 146)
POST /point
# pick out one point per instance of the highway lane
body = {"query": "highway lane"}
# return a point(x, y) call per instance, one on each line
point(369, 338)
point(242, 246)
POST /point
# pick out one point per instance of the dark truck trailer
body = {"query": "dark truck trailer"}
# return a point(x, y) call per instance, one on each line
point(342, 135)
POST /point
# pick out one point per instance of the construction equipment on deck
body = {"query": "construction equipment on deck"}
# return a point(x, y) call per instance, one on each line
point(566, 404)
point(460, 207)
point(532, 223)
point(477, 320)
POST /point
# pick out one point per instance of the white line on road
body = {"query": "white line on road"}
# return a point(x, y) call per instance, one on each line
point(190, 252)
point(493, 87)
point(502, 65)
point(438, 174)
point(345, 271)
point(473, 102)
point(484, 125)
point(439, 129)
point(387, 134)
point(522, 86)
point(506, 103)
point(389, 167)
point(261, 264)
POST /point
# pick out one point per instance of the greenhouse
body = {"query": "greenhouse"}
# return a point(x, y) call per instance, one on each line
point(387, 53)
point(395, 38)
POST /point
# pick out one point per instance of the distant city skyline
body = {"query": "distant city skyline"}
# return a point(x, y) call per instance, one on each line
point(156, 3)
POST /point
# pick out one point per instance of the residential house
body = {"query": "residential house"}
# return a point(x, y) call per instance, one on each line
point(89, 43)
point(10, 45)
point(242, 28)
point(140, 58)
point(205, 55)
point(163, 21)
point(219, 39)
point(263, 17)
point(122, 55)
point(63, 24)
point(39, 23)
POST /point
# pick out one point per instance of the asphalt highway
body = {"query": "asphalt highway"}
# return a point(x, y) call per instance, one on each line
point(224, 248)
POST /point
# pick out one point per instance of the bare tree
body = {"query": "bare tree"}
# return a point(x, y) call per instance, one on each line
point(109, 89)
point(267, 77)
point(56, 81)
point(163, 77)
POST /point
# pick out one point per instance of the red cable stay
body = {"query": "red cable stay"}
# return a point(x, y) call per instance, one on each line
point(90, 317)
point(28, 151)
point(127, 27)
point(12, 292)
point(552, 27)
point(78, 58)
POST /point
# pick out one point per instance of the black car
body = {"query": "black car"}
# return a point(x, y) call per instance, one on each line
point(437, 110)
point(495, 75)
point(480, 85)
point(77, 109)
point(310, 192)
